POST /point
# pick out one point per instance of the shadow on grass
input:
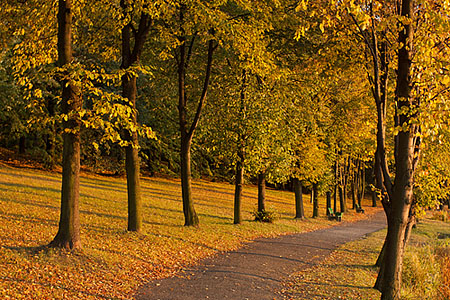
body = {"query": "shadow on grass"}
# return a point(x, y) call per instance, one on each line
point(33, 187)
point(33, 177)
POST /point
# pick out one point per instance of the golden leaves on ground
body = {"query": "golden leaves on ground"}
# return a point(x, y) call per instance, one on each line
point(113, 262)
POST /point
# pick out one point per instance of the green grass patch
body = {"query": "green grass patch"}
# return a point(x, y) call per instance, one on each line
point(349, 272)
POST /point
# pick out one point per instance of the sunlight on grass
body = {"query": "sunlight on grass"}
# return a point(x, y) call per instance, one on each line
point(113, 262)
point(349, 272)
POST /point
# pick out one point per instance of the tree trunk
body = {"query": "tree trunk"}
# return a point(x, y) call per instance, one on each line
point(68, 235)
point(408, 145)
point(344, 198)
point(315, 201)
point(238, 187)
point(186, 131)
point(299, 212)
point(22, 145)
point(379, 261)
point(261, 192)
point(353, 191)
point(130, 56)
point(341, 199)
point(362, 186)
point(335, 195)
point(190, 216)
point(328, 202)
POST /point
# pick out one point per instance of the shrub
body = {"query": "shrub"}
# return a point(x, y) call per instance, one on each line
point(264, 216)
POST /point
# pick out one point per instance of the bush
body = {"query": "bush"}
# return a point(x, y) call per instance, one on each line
point(264, 216)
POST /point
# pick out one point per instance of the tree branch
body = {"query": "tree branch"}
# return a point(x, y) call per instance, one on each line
point(205, 88)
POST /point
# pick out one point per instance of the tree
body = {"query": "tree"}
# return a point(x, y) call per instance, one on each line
point(130, 57)
point(68, 235)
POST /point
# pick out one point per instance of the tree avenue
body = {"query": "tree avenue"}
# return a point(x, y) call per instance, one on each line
point(340, 98)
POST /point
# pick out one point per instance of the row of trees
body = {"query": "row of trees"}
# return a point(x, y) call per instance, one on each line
point(301, 91)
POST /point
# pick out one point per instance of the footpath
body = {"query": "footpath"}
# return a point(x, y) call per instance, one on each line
point(257, 270)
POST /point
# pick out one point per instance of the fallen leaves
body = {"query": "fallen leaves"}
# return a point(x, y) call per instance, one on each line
point(114, 262)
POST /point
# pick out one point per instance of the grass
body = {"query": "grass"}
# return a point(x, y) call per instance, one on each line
point(114, 262)
point(349, 273)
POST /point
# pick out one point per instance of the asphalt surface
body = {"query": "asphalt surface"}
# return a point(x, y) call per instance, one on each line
point(257, 271)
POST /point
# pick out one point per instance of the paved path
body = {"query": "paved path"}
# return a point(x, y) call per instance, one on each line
point(257, 270)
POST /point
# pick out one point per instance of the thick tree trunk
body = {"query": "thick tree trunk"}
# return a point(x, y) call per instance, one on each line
point(261, 191)
point(379, 261)
point(68, 235)
point(299, 212)
point(315, 201)
point(407, 146)
point(238, 187)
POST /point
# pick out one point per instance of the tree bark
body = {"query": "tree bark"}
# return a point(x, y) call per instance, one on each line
point(131, 56)
point(238, 187)
point(22, 144)
point(407, 146)
point(341, 199)
point(299, 212)
point(328, 202)
point(353, 191)
point(315, 201)
point(186, 131)
point(68, 235)
point(362, 185)
point(261, 191)
point(335, 195)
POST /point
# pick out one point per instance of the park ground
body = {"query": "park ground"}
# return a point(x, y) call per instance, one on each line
point(115, 263)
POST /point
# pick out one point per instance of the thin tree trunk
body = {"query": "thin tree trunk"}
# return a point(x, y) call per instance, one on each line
point(130, 56)
point(261, 192)
point(315, 201)
point(22, 144)
point(299, 212)
point(341, 199)
point(238, 187)
point(190, 216)
point(335, 195)
point(68, 235)
point(187, 132)
point(353, 191)
point(328, 202)
point(344, 198)
point(362, 185)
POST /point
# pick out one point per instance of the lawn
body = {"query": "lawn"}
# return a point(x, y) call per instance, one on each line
point(349, 272)
point(114, 262)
